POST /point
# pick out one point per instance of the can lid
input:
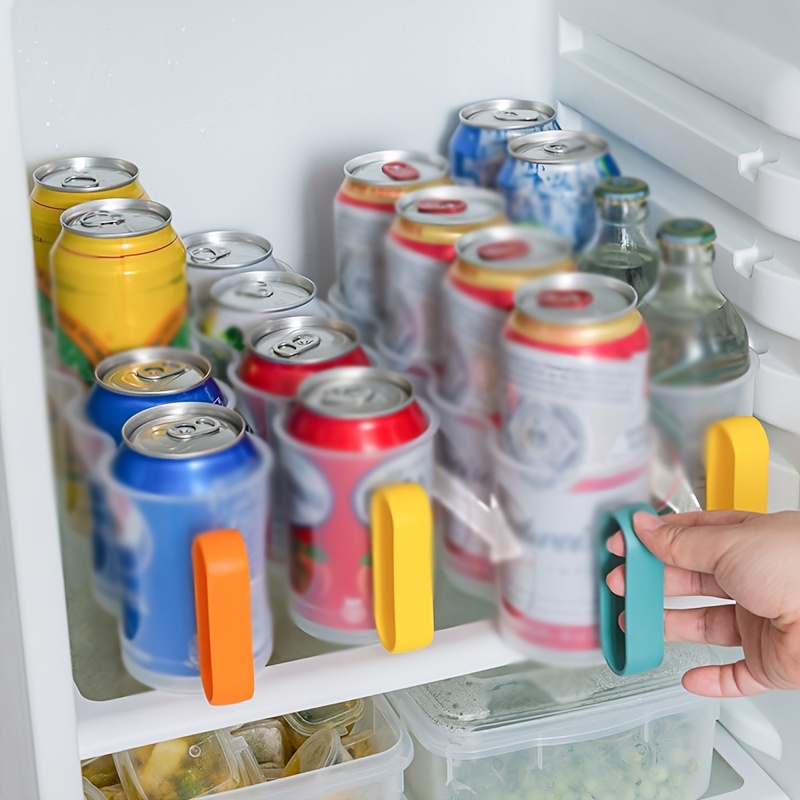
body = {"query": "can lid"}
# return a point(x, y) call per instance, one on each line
point(355, 392)
point(558, 147)
point(575, 298)
point(305, 340)
point(686, 232)
point(391, 167)
point(153, 371)
point(183, 430)
point(225, 249)
point(512, 247)
point(263, 291)
point(623, 189)
point(507, 114)
point(116, 218)
point(86, 174)
point(451, 205)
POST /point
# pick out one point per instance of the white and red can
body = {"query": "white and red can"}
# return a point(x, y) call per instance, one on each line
point(350, 431)
point(478, 293)
point(363, 210)
point(280, 355)
point(420, 246)
point(575, 445)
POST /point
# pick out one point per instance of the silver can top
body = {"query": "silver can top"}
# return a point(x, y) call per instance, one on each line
point(575, 298)
point(116, 218)
point(86, 174)
point(390, 167)
point(507, 114)
point(225, 250)
point(263, 292)
point(512, 247)
point(451, 205)
point(558, 147)
point(152, 371)
point(303, 340)
point(355, 392)
point(183, 430)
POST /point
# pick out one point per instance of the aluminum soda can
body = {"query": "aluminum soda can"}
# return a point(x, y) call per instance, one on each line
point(280, 355)
point(183, 469)
point(350, 431)
point(478, 293)
point(212, 255)
point(60, 185)
point(118, 282)
point(420, 246)
point(129, 382)
point(239, 304)
point(550, 177)
point(478, 146)
point(575, 445)
point(363, 210)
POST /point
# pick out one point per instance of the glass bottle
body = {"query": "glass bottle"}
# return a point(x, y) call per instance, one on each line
point(620, 246)
point(697, 338)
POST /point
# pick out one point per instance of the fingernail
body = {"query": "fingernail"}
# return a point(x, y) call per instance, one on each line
point(645, 523)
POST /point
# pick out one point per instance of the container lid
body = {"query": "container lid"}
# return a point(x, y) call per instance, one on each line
point(686, 232)
point(513, 247)
point(515, 706)
point(263, 292)
point(152, 371)
point(116, 218)
point(355, 392)
point(558, 147)
point(575, 298)
point(183, 430)
point(336, 715)
point(303, 340)
point(225, 249)
point(622, 189)
point(86, 174)
point(506, 114)
point(390, 167)
point(451, 205)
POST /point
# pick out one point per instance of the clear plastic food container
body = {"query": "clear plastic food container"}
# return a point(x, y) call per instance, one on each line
point(339, 716)
point(536, 732)
point(378, 776)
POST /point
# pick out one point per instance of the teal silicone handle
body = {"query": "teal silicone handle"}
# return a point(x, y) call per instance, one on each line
point(640, 647)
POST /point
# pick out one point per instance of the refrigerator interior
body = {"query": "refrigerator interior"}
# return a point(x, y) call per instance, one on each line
point(241, 114)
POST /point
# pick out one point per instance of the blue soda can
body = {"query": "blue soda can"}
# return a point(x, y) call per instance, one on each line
point(549, 178)
point(183, 469)
point(129, 382)
point(479, 144)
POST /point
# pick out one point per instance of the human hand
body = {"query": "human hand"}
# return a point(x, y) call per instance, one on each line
point(753, 559)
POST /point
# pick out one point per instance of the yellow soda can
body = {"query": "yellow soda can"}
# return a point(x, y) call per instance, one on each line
point(60, 185)
point(118, 274)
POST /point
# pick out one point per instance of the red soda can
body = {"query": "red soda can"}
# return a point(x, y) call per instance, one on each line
point(576, 445)
point(351, 430)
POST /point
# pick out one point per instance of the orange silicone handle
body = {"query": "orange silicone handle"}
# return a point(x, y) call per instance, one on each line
point(224, 628)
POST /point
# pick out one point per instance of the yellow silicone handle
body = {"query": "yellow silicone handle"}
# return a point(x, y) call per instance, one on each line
point(737, 465)
point(402, 566)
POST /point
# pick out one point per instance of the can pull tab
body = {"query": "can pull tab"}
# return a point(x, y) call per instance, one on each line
point(349, 397)
point(101, 219)
point(156, 371)
point(560, 148)
point(517, 115)
point(202, 254)
point(503, 251)
point(256, 289)
point(192, 429)
point(80, 180)
point(400, 171)
point(564, 298)
point(436, 205)
point(299, 343)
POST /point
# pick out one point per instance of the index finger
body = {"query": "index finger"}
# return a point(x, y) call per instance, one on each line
point(694, 519)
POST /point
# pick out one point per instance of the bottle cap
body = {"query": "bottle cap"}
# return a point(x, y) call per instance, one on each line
point(622, 189)
point(686, 232)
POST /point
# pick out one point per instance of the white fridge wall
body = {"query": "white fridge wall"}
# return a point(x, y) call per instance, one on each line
point(241, 113)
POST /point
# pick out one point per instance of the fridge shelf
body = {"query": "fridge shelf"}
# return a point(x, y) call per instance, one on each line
point(115, 712)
